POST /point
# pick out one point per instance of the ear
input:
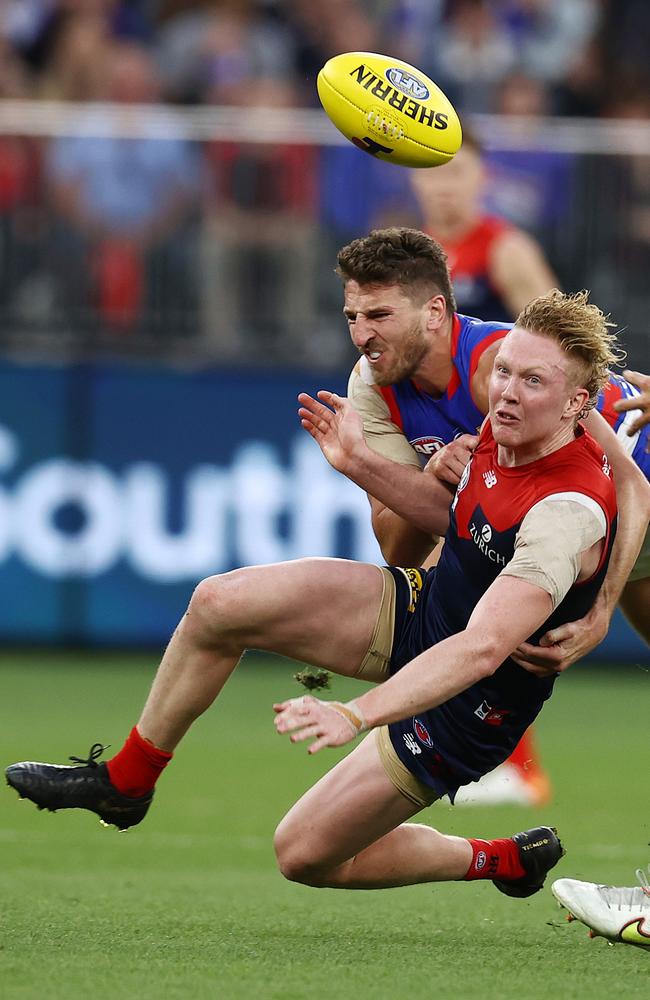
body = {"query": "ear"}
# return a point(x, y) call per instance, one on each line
point(576, 404)
point(437, 312)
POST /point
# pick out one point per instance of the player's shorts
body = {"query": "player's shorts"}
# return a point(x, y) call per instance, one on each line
point(376, 667)
point(433, 754)
point(641, 568)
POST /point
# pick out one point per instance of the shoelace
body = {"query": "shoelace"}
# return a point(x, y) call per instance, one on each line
point(96, 750)
point(643, 880)
point(625, 897)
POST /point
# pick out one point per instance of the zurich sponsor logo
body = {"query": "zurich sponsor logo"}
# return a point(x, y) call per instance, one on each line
point(422, 733)
point(407, 83)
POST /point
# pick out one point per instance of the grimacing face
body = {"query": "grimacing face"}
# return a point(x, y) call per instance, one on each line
point(533, 400)
point(388, 328)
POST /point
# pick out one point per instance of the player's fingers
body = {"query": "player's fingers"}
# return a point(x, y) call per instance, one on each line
point(622, 405)
point(318, 744)
point(563, 633)
point(637, 379)
point(306, 733)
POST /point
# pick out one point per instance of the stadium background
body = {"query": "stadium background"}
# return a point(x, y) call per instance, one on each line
point(171, 200)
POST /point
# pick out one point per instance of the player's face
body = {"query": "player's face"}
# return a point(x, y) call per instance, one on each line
point(450, 192)
point(533, 402)
point(387, 327)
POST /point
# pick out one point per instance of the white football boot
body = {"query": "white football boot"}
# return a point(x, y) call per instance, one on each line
point(618, 913)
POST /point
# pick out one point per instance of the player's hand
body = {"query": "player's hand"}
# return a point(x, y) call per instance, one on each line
point(448, 464)
point(336, 427)
point(564, 645)
point(642, 402)
point(328, 723)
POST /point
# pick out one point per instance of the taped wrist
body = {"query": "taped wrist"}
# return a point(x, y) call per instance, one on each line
point(352, 713)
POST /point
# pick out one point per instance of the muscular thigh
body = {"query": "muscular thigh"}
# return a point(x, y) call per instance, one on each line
point(322, 611)
point(351, 807)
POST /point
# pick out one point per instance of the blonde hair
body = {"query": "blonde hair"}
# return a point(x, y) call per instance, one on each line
point(582, 330)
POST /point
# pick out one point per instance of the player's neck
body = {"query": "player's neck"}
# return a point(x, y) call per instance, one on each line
point(532, 452)
point(435, 369)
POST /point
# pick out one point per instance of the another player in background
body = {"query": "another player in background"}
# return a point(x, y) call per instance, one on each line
point(496, 268)
point(428, 387)
point(528, 536)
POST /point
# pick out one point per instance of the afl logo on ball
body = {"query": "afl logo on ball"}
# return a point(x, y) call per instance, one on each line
point(422, 733)
point(407, 83)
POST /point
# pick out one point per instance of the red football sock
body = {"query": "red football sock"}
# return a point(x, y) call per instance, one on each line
point(494, 859)
point(136, 768)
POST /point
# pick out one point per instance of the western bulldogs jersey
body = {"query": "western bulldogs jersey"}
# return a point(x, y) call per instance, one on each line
point(474, 731)
point(637, 445)
point(430, 423)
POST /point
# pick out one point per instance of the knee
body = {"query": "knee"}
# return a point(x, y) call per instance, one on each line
point(213, 608)
point(295, 862)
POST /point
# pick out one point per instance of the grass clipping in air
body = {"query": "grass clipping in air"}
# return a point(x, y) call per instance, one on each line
point(313, 680)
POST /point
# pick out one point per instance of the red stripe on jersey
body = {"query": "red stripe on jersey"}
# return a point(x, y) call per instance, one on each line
point(454, 382)
point(477, 353)
point(388, 393)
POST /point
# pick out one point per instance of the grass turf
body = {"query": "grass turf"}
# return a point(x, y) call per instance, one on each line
point(189, 905)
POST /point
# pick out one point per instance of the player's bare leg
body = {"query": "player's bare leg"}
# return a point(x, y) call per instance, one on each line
point(323, 611)
point(309, 609)
point(349, 832)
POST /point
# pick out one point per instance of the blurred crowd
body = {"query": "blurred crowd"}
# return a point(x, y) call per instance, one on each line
point(579, 57)
point(163, 237)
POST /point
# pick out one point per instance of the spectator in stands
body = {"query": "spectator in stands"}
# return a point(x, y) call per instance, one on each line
point(124, 208)
point(260, 238)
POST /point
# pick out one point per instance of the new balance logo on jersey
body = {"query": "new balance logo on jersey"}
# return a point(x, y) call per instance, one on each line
point(490, 478)
point(607, 469)
point(411, 745)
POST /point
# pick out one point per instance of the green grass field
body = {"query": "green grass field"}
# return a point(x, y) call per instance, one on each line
point(190, 905)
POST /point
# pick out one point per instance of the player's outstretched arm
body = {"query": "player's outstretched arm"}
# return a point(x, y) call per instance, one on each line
point(565, 645)
point(642, 402)
point(337, 428)
point(433, 677)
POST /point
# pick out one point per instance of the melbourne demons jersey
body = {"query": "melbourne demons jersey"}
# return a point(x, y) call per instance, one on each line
point(474, 731)
point(429, 422)
point(469, 265)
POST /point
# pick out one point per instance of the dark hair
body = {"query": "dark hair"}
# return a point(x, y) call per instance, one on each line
point(398, 256)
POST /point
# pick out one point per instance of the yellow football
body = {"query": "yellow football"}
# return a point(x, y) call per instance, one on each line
point(389, 109)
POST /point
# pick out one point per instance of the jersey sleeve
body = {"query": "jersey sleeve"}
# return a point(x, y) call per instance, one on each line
point(552, 536)
point(381, 434)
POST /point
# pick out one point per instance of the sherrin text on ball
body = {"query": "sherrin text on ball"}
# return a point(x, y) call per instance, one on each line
point(389, 109)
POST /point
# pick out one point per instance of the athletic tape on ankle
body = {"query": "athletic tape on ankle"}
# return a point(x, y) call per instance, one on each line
point(352, 713)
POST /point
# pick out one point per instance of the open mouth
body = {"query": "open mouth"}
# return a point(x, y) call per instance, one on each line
point(506, 418)
point(373, 356)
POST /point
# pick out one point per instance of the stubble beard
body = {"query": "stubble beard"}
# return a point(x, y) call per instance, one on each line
point(406, 362)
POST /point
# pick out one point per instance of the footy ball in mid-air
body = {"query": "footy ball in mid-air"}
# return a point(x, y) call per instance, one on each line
point(389, 109)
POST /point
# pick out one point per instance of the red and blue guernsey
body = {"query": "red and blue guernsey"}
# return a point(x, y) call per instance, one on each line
point(429, 422)
point(473, 732)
